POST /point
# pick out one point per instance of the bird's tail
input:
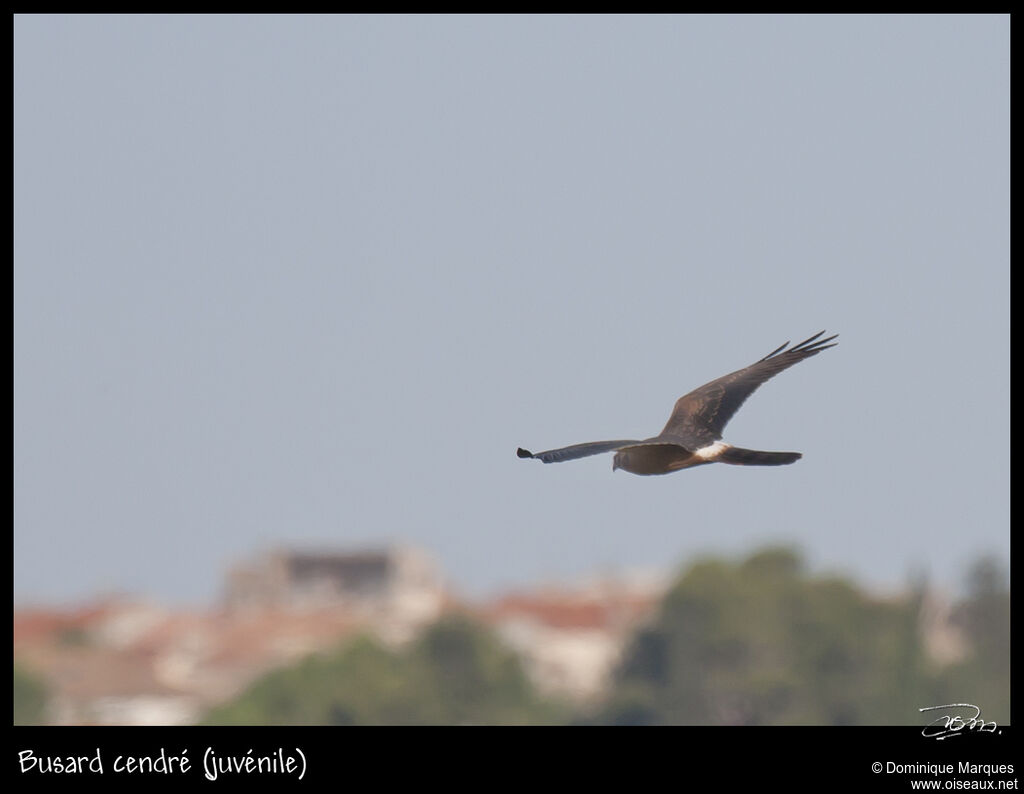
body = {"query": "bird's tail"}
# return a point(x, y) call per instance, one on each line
point(752, 457)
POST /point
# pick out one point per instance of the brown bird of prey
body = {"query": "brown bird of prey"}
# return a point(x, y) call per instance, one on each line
point(693, 434)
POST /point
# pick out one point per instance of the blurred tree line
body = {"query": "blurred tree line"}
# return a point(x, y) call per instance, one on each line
point(758, 642)
point(456, 673)
point(983, 677)
point(764, 643)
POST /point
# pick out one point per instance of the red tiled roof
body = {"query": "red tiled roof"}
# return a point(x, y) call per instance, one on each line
point(571, 611)
point(39, 624)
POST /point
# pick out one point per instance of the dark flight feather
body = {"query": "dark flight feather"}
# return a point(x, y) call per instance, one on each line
point(700, 416)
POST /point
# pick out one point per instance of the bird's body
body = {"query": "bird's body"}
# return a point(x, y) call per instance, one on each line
point(692, 436)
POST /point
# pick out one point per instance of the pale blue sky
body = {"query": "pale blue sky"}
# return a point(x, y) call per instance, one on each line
point(310, 281)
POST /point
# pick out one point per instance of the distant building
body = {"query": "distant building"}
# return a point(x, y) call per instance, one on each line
point(571, 640)
point(398, 588)
point(125, 662)
point(944, 640)
point(94, 668)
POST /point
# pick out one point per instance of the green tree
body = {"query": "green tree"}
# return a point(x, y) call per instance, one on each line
point(473, 678)
point(350, 686)
point(762, 642)
point(455, 673)
point(983, 618)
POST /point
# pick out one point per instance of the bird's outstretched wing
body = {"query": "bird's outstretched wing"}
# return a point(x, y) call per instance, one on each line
point(575, 451)
point(700, 416)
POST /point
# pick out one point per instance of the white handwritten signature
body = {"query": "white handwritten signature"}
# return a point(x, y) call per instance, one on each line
point(953, 723)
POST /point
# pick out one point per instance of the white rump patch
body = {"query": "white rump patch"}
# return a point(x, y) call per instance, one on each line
point(712, 451)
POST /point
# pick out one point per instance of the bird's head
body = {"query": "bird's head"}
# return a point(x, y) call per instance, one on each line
point(620, 460)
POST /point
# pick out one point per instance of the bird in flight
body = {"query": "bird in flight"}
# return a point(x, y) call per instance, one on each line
point(693, 434)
